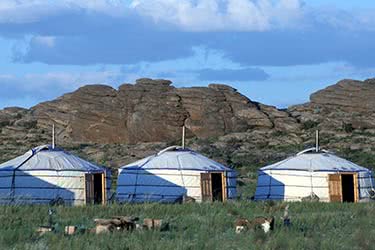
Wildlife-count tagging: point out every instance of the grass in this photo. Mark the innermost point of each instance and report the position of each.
(196, 226)
(204, 226)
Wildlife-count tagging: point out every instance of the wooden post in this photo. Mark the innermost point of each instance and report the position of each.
(356, 191)
(104, 195)
(84, 189)
(224, 186)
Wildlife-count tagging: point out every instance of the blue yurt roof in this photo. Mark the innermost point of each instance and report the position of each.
(48, 158)
(177, 158)
(310, 160)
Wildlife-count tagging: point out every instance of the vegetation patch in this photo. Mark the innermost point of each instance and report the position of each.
(195, 226)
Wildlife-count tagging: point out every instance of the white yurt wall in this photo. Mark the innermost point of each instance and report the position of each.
(169, 175)
(308, 173)
(45, 174)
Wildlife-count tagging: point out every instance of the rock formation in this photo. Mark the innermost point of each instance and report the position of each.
(155, 111)
(117, 126)
(347, 105)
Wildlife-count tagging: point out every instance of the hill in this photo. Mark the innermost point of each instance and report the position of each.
(116, 126)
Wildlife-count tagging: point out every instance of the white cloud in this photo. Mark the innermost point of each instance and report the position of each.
(27, 11)
(23, 11)
(48, 41)
(194, 15)
(212, 15)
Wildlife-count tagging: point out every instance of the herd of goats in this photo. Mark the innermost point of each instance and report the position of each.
(129, 224)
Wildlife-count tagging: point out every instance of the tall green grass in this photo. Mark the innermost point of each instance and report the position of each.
(196, 226)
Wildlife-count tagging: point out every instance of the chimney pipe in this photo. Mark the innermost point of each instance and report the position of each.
(53, 135)
(183, 136)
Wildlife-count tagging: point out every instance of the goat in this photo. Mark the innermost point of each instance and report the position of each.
(241, 225)
(266, 224)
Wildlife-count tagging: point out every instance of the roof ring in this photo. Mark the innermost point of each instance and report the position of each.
(313, 150)
(43, 148)
(171, 148)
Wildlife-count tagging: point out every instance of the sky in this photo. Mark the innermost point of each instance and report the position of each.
(276, 52)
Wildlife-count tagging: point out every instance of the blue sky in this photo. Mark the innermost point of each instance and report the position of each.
(274, 51)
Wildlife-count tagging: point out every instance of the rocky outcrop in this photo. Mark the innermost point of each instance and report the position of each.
(118, 126)
(347, 105)
(348, 95)
(153, 111)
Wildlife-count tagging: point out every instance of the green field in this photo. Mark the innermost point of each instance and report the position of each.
(196, 226)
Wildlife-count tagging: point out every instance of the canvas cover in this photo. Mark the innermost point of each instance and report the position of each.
(306, 173)
(45, 174)
(309, 160)
(169, 175)
(178, 158)
(47, 158)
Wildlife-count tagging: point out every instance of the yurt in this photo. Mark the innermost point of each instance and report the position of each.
(173, 173)
(46, 174)
(316, 174)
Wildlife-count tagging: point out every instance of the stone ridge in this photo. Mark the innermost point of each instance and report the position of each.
(350, 95)
(349, 103)
(153, 111)
(118, 126)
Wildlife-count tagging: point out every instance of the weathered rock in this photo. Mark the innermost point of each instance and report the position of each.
(347, 105)
(348, 95)
(152, 111)
(115, 127)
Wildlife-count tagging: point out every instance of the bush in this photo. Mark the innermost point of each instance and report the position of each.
(347, 127)
(309, 124)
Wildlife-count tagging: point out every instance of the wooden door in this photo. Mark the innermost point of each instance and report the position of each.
(206, 187)
(335, 188)
(89, 188)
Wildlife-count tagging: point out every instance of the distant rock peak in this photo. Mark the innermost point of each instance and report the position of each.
(154, 111)
(148, 81)
(222, 87)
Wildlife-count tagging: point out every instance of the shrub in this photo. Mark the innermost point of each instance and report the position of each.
(309, 124)
(347, 127)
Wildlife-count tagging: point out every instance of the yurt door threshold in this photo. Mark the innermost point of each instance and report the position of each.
(213, 186)
(343, 187)
(95, 188)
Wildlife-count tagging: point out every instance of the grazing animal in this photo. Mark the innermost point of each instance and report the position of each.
(242, 225)
(184, 199)
(266, 224)
(126, 223)
(188, 199)
(311, 198)
(285, 218)
(138, 226)
(118, 223)
(99, 229)
(43, 230)
(155, 224)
